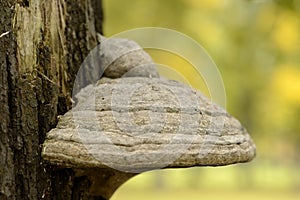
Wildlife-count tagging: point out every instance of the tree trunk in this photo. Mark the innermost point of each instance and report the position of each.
(42, 45)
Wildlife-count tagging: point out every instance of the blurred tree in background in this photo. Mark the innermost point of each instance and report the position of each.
(256, 46)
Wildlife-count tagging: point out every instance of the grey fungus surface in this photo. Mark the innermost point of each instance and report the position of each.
(125, 58)
(114, 58)
(137, 124)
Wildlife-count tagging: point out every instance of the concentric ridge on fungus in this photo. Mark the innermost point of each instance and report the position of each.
(139, 124)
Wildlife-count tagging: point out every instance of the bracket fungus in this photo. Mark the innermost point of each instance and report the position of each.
(125, 58)
(128, 125)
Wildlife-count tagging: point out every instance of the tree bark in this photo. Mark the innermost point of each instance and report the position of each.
(42, 45)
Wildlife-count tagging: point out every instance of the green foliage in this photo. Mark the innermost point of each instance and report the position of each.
(286, 3)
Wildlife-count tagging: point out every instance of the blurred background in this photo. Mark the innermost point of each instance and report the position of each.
(256, 46)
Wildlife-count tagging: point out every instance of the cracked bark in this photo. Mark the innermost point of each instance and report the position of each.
(42, 48)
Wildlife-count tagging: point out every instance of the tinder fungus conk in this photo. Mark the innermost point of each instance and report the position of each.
(137, 124)
(132, 121)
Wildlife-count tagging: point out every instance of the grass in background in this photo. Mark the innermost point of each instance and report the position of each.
(137, 194)
(249, 181)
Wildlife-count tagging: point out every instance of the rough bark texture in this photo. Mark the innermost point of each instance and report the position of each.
(44, 45)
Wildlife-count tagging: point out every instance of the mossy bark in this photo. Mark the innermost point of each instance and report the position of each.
(42, 45)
